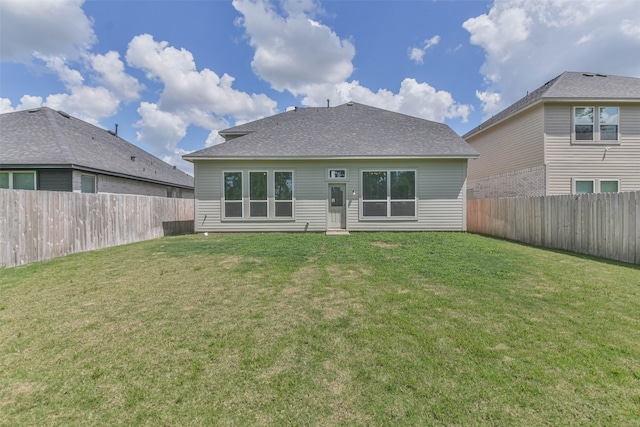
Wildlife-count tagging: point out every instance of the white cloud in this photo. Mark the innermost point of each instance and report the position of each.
(111, 73)
(27, 102)
(295, 51)
(490, 101)
(186, 88)
(188, 97)
(50, 28)
(5, 106)
(87, 103)
(416, 54)
(527, 43)
(58, 65)
(630, 28)
(413, 98)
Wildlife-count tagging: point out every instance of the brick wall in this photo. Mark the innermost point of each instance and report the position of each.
(113, 184)
(521, 183)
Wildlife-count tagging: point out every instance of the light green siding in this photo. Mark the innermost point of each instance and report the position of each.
(440, 189)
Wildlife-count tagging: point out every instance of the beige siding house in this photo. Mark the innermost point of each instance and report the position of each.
(350, 167)
(578, 133)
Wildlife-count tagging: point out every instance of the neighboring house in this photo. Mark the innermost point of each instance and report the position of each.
(44, 149)
(578, 133)
(350, 167)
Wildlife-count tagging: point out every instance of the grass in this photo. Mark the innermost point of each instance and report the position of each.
(305, 329)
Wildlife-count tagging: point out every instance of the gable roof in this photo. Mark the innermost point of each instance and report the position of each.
(45, 138)
(346, 131)
(571, 86)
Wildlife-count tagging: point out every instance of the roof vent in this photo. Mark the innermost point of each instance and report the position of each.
(112, 132)
(588, 74)
(63, 114)
(350, 104)
(133, 158)
(35, 110)
(601, 75)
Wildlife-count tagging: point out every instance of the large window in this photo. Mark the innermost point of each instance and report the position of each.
(283, 193)
(233, 195)
(258, 205)
(388, 194)
(18, 180)
(596, 124)
(269, 194)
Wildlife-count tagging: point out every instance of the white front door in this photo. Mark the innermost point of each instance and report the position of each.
(337, 219)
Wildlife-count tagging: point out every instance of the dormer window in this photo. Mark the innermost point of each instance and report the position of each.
(596, 123)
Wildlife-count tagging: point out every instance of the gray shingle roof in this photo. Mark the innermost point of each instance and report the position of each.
(46, 138)
(571, 86)
(348, 130)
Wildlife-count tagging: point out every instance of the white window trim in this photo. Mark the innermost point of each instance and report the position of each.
(248, 194)
(608, 180)
(388, 200)
(596, 126)
(293, 195)
(223, 207)
(11, 172)
(596, 184)
(328, 177)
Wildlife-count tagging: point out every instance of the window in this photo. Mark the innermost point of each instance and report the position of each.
(337, 174)
(283, 193)
(586, 186)
(269, 194)
(18, 180)
(609, 186)
(87, 183)
(608, 119)
(388, 194)
(233, 194)
(589, 126)
(258, 206)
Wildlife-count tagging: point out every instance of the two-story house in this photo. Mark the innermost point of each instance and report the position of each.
(578, 133)
(44, 149)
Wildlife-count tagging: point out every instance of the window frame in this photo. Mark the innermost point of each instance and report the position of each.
(276, 201)
(246, 197)
(344, 178)
(388, 200)
(95, 183)
(10, 180)
(617, 181)
(235, 201)
(264, 201)
(597, 185)
(596, 124)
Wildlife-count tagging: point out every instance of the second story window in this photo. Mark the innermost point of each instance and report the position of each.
(596, 123)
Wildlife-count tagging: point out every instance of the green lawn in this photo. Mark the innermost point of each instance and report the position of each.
(306, 329)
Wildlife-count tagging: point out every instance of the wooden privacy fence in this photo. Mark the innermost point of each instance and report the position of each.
(40, 225)
(604, 224)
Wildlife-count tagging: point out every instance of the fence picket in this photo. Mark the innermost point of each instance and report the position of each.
(40, 225)
(605, 225)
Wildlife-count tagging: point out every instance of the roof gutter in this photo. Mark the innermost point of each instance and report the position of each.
(4, 166)
(254, 158)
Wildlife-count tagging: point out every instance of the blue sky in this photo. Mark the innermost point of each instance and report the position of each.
(173, 73)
